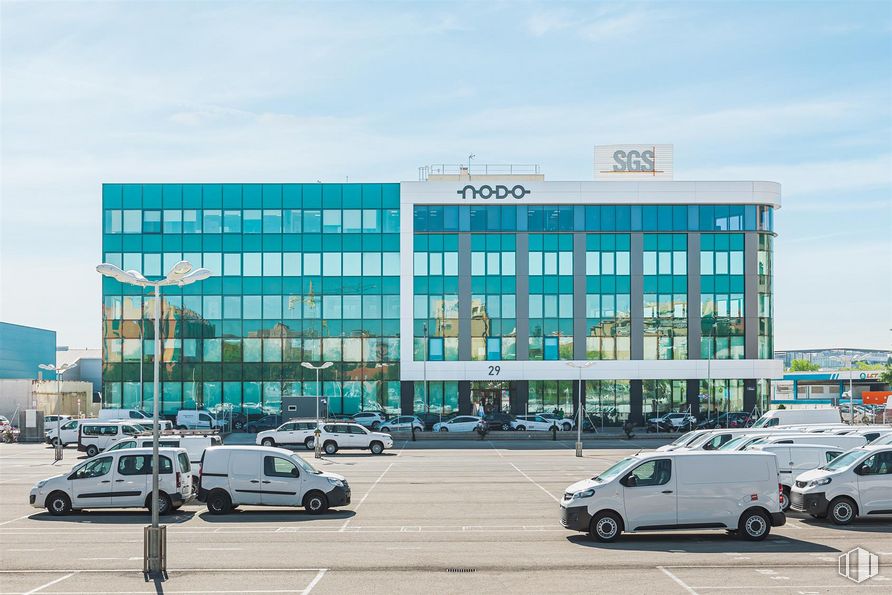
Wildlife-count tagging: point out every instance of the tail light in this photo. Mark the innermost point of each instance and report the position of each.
(780, 493)
(179, 479)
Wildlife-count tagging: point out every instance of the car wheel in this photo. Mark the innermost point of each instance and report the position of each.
(521, 428)
(606, 527)
(310, 443)
(219, 502)
(92, 451)
(444, 429)
(754, 525)
(506, 427)
(239, 425)
(58, 504)
(567, 427)
(54, 442)
(164, 504)
(376, 448)
(785, 500)
(268, 442)
(315, 502)
(842, 511)
(376, 425)
(330, 447)
(385, 429)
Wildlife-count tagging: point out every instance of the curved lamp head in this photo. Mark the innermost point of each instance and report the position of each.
(322, 366)
(196, 275)
(178, 271)
(115, 272)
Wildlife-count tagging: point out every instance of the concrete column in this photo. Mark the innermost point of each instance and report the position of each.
(464, 297)
(579, 320)
(636, 266)
(407, 397)
(749, 394)
(693, 396)
(464, 397)
(751, 296)
(694, 330)
(520, 394)
(522, 305)
(636, 402)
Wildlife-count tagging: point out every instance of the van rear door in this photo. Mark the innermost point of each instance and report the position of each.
(244, 476)
(649, 495)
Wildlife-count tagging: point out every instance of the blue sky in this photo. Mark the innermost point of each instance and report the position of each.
(799, 93)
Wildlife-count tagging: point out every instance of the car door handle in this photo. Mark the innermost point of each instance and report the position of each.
(255, 481)
(265, 481)
(667, 491)
(119, 480)
(105, 481)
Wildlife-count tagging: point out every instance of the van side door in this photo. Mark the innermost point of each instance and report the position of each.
(649, 495)
(280, 484)
(244, 477)
(875, 483)
(131, 479)
(91, 485)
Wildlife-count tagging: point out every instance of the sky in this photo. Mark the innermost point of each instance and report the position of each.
(794, 92)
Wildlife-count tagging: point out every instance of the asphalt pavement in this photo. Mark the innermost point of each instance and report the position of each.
(425, 517)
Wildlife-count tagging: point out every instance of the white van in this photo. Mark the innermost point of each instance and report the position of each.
(123, 415)
(791, 417)
(193, 445)
(715, 439)
(120, 479)
(95, 436)
(793, 459)
(655, 491)
(266, 476)
(857, 483)
(197, 419)
(840, 442)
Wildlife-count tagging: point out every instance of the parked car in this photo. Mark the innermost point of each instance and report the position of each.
(403, 423)
(656, 491)
(839, 442)
(4, 424)
(671, 422)
(369, 419)
(68, 432)
(197, 419)
(94, 437)
(117, 414)
(856, 483)
(431, 419)
(335, 436)
(794, 459)
(498, 420)
(461, 423)
(564, 423)
(268, 422)
(536, 423)
(48, 419)
(792, 417)
(293, 432)
(120, 479)
(266, 476)
(734, 419)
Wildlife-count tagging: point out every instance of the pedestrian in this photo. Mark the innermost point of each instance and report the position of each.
(627, 428)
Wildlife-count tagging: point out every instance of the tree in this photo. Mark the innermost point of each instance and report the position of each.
(886, 375)
(803, 365)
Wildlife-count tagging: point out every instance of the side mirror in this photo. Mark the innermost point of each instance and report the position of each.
(863, 469)
(630, 481)
(295, 472)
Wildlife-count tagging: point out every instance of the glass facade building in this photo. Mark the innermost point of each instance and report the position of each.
(428, 301)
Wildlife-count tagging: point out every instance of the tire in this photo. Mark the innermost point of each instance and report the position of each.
(385, 429)
(754, 525)
(219, 502)
(521, 428)
(444, 429)
(55, 442)
(239, 425)
(330, 447)
(315, 502)
(606, 527)
(92, 451)
(309, 443)
(165, 505)
(842, 511)
(58, 504)
(376, 447)
(785, 503)
(567, 427)
(506, 427)
(268, 442)
(376, 425)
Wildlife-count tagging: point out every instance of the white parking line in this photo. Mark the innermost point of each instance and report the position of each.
(51, 583)
(24, 516)
(366, 495)
(550, 495)
(315, 581)
(678, 581)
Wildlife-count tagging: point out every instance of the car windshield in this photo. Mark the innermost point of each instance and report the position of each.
(733, 444)
(684, 439)
(305, 466)
(122, 445)
(843, 460)
(699, 440)
(615, 470)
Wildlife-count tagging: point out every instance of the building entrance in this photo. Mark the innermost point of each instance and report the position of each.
(492, 397)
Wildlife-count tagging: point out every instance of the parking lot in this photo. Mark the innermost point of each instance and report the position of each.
(433, 516)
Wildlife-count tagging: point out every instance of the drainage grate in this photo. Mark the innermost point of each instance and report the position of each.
(461, 570)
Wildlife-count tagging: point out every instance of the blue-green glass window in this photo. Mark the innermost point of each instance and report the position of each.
(212, 220)
(494, 348)
(132, 221)
(232, 221)
(551, 348)
(291, 221)
(151, 222)
(312, 221)
(272, 221)
(435, 349)
(191, 221)
(113, 221)
(173, 221)
(252, 221)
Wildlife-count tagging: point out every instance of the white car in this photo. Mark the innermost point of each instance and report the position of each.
(191, 419)
(121, 479)
(335, 436)
(856, 483)
(461, 423)
(369, 419)
(677, 421)
(296, 431)
(404, 422)
(564, 423)
(535, 423)
(54, 419)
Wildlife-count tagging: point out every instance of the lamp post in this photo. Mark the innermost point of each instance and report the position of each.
(181, 274)
(580, 366)
(59, 370)
(316, 442)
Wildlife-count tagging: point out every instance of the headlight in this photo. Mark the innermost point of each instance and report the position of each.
(40, 484)
(335, 482)
(584, 494)
(819, 482)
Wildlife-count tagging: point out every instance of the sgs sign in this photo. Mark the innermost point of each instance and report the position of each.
(633, 161)
(497, 192)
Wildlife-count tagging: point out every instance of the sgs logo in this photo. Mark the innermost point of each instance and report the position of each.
(633, 160)
(497, 192)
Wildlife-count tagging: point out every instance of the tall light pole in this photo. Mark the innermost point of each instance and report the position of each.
(59, 370)
(180, 275)
(316, 442)
(580, 366)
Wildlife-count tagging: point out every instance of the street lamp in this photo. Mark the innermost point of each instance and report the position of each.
(322, 366)
(580, 366)
(181, 274)
(59, 370)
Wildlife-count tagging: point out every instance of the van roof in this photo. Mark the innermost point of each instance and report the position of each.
(249, 448)
(147, 450)
(701, 453)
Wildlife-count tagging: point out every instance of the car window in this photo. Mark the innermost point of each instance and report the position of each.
(358, 430)
(878, 464)
(344, 429)
(184, 462)
(70, 425)
(130, 430)
(109, 430)
(141, 465)
(328, 428)
(653, 473)
(124, 444)
(832, 454)
(96, 468)
(135, 415)
(169, 443)
(278, 467)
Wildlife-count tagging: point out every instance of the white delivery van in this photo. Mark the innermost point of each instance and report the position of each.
(194, 445)
(266, 476)
(793, 459)
(121, 479)
(840, 442)
(683, 440)
(656, 491)
(95, 436)
(124, 415)
(792, 417)
(856, 483)
(197, 419)
(296, 431)
(68, 430)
